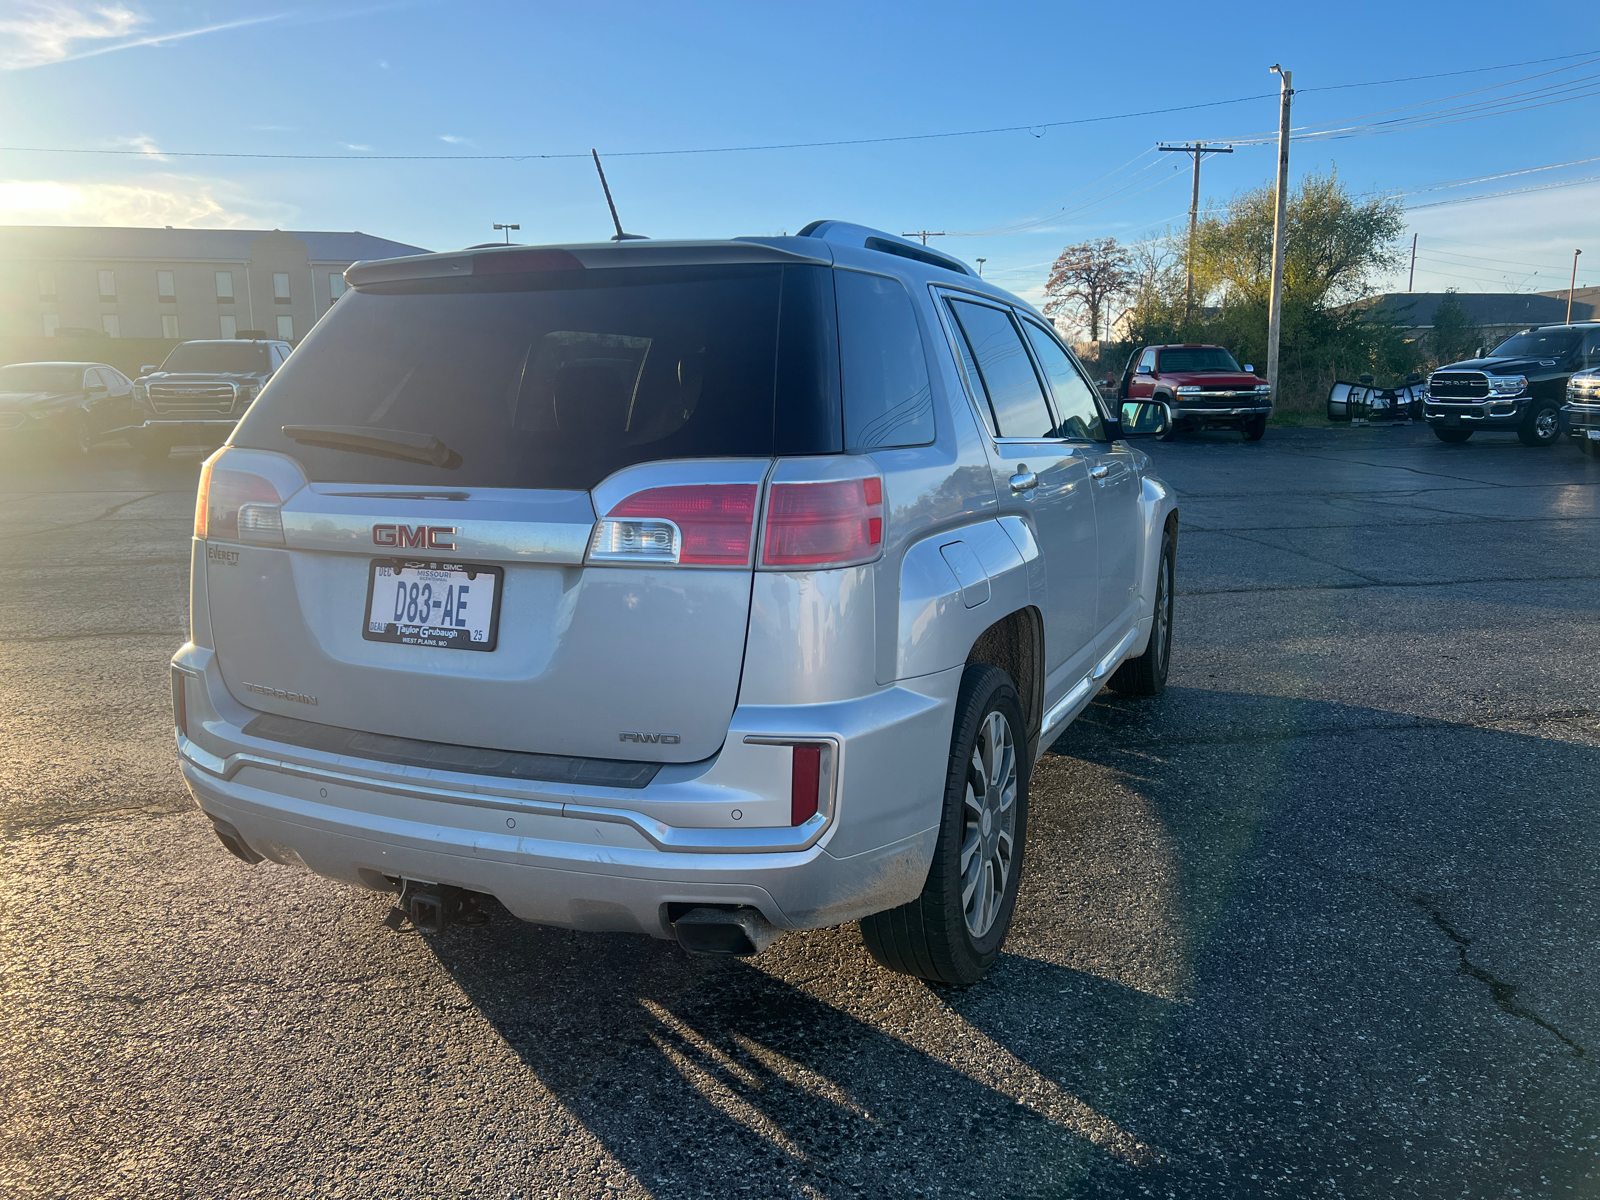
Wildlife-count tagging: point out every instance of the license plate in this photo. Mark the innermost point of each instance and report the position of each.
(1452, 419)
(1592, 434)
(449, 606)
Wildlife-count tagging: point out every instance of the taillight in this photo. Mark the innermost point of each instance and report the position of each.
(237, 506)
(832, 524)
(805, 783)
(706, 524)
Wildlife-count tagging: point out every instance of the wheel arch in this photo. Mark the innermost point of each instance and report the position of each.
(1015, 644)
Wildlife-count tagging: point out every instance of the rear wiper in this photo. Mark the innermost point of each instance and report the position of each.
(385, 443)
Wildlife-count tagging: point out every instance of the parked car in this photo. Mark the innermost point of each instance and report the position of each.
(198, 395)
(1580, 416)
(1518, 387)
(1204, 386)
(66, 405)
(705, 589)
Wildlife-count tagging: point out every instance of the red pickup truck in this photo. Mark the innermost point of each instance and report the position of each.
(1203, 385)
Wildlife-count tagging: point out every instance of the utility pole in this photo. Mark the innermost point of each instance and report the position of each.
(1280, 230)
(1573, 286)
(1411, 281)
(924, 234)
(1199, 150)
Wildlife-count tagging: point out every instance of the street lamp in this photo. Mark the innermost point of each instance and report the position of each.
(508, 229)
(980, 262)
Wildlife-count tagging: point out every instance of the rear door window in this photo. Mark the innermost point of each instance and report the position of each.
(888, 400)
(1007, 372)
(1077, 413)
(556, 379)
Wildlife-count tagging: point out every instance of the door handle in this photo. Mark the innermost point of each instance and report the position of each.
(1024, 482)
(1100, 472)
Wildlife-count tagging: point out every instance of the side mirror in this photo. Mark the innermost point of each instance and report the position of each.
(1249, 369)
(1145, 418)
(1143, 370)
(147, 369)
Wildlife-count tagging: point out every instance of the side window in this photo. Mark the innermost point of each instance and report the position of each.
(1075, 403)
(1147, 364)
(1589, 354)
(888, 400)
(1006, 371)
(969, 367)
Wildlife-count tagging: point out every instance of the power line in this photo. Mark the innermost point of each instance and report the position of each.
(863, 141)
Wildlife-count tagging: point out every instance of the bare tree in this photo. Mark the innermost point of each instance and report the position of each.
(1086, 278)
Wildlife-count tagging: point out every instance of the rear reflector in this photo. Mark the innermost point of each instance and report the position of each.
(831, 524)
(180, 702)
(805, 782)
(237, 506)
(706, 524)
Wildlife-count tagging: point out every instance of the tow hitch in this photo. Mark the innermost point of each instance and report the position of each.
(431, 906)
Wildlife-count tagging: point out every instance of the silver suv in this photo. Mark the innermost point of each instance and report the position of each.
(704, 589)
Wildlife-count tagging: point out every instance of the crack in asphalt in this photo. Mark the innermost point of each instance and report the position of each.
(1503, 994)
(115, 508)
(1303, 554)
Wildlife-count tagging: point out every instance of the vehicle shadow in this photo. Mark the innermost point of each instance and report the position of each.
(1222, 888)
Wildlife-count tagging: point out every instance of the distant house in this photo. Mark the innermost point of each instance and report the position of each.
(1497, 314)
(174, 283)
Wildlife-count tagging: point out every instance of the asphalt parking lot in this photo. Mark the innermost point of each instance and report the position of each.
(1321, 921)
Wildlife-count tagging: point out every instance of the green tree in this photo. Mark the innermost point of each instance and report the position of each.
(1454, 335)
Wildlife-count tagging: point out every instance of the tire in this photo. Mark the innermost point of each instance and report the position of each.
(1542, 426)
(1454, 436)
(939, 936)
(1147, 674)
(155, 448)
(76, 437)
(1254, 428)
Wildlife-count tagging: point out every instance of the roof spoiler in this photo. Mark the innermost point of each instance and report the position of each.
(517, 260)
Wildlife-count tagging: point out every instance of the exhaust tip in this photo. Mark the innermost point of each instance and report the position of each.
(737, 931)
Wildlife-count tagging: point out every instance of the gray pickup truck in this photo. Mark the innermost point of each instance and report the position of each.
(197, 396)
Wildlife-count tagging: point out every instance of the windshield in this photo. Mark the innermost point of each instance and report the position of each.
(558, 379)
(40, 377)
(1538, 343)
(1203, 358)
(217, 357)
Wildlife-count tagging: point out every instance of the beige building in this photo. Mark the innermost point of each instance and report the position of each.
(174, 283)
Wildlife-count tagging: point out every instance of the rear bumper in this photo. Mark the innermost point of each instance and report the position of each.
(603, 858)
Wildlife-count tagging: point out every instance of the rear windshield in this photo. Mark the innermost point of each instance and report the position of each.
(39, 377)
(217, 357)
(1538, 343)
(557, 379)
(1204, 358)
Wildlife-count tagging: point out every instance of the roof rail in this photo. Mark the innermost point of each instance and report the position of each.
(847, 234)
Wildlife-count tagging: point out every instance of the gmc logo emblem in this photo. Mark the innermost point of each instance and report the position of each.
(415, 537)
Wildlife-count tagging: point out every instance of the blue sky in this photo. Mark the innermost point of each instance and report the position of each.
(464, 79)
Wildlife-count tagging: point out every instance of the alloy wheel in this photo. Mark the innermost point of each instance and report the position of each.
(988, 846)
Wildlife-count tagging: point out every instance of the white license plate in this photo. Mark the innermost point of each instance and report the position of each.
(449, 606)
(1593, 434)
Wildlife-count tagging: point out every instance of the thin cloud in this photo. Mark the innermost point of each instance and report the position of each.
(185, 201)
(273, 128)
(45, 36)
(355, 146)
(456, 140)
(145, 145)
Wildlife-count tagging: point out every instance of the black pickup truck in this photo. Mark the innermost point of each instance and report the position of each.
(1518, 387)
(197, 396)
